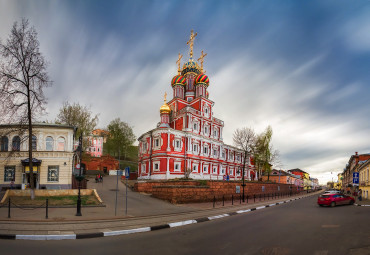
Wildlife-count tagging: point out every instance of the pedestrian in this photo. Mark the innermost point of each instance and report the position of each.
(359, 195)
(101, 178)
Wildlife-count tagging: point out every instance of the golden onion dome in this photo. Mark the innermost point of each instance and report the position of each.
(165, 108)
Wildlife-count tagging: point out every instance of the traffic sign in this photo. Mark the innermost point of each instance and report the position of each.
(356, 179)
(127, 172)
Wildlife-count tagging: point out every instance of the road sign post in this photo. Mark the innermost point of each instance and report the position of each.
(356, 179)
(127, 175)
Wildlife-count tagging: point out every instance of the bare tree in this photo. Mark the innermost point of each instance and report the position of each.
(244, 139)
(23, 77)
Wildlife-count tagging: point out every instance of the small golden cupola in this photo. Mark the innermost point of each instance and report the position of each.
(165, 111)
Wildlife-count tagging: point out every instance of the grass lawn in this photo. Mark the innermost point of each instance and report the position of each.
(53, 201)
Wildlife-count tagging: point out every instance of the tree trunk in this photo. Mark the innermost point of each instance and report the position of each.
(32, 184)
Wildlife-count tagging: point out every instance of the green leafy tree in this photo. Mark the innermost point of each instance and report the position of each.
(23, 77)
(264, 153)
(78, 116)
(121, 137)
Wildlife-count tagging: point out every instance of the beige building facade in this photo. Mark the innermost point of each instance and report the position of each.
(364, 174)
(53, 157)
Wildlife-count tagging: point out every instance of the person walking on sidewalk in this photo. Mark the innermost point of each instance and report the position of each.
(359, 195)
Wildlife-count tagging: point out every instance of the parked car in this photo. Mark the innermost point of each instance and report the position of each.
(334, 199)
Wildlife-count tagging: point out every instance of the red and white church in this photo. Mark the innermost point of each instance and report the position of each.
(188, 139)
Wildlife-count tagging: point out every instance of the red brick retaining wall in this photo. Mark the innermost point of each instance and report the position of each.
(194, 191)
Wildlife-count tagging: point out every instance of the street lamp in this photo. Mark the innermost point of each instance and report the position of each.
(80, 177)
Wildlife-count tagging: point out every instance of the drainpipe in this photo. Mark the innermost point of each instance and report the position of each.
(151, 152)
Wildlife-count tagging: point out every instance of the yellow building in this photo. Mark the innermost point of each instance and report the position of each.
(338, 185)
(364, 173)
(52, 157)
(307, 185)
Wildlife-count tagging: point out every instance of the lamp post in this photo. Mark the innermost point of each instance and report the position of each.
(79, 178)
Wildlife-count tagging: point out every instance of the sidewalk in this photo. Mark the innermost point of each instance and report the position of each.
(85, 227)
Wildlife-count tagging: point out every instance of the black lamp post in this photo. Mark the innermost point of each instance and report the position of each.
(79, 178)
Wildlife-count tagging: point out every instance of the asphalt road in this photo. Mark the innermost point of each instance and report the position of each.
(299, 227)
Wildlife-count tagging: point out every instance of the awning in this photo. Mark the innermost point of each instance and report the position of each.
(35, 162)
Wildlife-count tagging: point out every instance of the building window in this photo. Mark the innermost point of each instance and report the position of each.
(16, 143)
(206, 130)
(53, 173)
(49, 143)
(205, 150)
(178, 144)
(144, 146)
(4, 143)
(195, 147)
(195, 126)
(215, 153)
(156, 166)
(231, 171)
(214, 170)
(177, 166)
(156, 142)
(223, 154)
(61, 144)
(143, 168)
(205, 169)
(9, 173)
(215, 133)
(223, 171)
(195, 168)
(34, 142)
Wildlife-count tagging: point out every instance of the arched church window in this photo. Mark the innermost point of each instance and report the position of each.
(61, 144)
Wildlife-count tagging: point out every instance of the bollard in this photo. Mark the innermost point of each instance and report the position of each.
(232, 199)
(223, 200)
(9, 208)
(214, 201)
(47, 208)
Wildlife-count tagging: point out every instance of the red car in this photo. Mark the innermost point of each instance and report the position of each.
(335, 199)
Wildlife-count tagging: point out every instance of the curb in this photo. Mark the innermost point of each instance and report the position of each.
(360, 205)
(138, 230)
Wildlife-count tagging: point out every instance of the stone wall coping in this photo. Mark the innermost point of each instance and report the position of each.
(180, 186)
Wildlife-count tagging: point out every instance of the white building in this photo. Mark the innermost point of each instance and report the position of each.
(52, 156)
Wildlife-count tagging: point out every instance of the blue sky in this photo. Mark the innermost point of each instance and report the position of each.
(300, 66)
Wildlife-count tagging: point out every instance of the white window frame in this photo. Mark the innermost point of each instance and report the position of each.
(231, 172)
(223, 170)
(205, 169)
(177, 164)
(143, 168)
(156, 163)
(195, 148)
(196, 168)
(214, 170)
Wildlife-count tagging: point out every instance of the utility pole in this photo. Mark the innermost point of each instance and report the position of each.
(79, 179)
